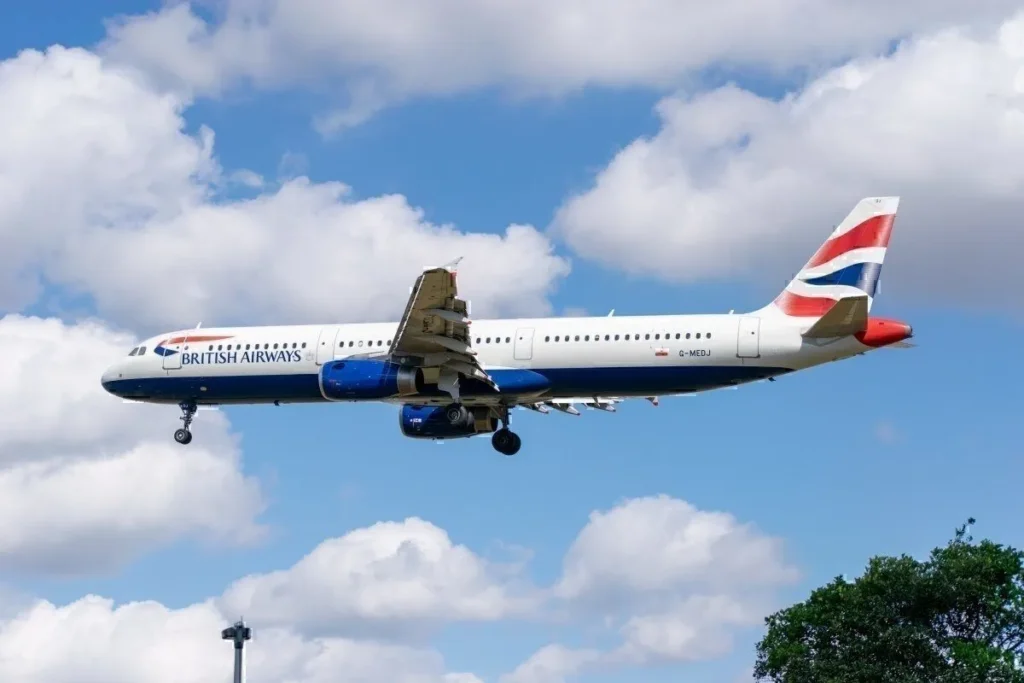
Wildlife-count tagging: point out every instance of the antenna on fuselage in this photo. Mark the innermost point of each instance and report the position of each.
(199, 324)
(611, 313)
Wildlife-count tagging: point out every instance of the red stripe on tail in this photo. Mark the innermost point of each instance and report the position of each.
(803, 306)
(874, 232)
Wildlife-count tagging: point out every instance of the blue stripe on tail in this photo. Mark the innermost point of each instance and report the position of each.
(863, 276)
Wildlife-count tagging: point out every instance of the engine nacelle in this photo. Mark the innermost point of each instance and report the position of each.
(430, 422)
(362, 378)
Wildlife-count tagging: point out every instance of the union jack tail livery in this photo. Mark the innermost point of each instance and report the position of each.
(847, 265)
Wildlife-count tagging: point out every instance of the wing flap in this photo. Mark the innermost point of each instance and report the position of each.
(434, 330)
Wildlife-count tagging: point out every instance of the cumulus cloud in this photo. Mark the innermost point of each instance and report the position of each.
(646, 547)
(97, 167)
(674, 581)
(734, 183)
(358, 607)
(94, 640)
(391, 578)
(394, 49)
(87, 482)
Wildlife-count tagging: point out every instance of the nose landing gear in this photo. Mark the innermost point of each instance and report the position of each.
(188, 413)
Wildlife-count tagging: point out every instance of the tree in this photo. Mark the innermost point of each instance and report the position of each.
(956, 618)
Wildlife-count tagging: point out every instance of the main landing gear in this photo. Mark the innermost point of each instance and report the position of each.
(188, 413)
(504, 440)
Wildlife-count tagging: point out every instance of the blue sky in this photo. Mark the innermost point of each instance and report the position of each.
(886, 453)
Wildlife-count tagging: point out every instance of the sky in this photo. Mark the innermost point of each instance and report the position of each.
(263, 162)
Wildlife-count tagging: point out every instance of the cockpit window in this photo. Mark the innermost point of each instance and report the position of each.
(142, 351)
(133, 351)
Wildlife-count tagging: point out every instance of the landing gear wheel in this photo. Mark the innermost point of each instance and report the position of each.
(188, 413)
(456, 414)
(506, 442)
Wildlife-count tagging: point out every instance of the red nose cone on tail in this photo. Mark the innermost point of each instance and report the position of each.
(884, 331)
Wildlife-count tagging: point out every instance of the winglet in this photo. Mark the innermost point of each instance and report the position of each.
(847, 316)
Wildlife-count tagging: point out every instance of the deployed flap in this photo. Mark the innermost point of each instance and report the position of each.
(848, 316)
(434, 330)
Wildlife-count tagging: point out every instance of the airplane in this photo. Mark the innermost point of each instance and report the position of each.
(453, 377)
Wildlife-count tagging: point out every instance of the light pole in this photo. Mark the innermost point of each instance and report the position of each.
(239, 633)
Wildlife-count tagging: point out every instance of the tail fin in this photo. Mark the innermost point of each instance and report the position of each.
(847, 264)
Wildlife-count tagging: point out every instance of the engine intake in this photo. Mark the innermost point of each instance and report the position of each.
(368, 379)
(430, 422)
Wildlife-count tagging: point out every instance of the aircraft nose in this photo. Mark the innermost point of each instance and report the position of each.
(110, 377)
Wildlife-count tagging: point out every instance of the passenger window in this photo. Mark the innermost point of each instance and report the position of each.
(508, 340)
(677, 335)
(247, 347)
(587, 338)
(478, 340)
(389, 342)
(577, 337)
(557, 337)
(616, 337)
(708, 335)
(303, 345)
(488, 340)
(351, 343)
(698, 335)
(547, 339)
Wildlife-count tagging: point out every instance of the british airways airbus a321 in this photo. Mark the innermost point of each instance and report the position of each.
(455, 379)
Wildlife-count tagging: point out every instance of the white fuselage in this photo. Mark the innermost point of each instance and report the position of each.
(625, 356)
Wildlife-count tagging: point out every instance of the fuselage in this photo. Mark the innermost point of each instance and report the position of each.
(622, 356)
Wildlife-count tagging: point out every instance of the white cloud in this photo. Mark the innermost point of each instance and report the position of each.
(675, 581)
(734, 183)
(349, 610)
(94, 640)
(393, 49)
(646, 548)
(390, 578)
(553, 664)
(97, 168)
(87, 482)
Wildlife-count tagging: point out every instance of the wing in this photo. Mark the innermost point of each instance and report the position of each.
(434, 331)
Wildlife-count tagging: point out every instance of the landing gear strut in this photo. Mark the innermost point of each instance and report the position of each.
(188, 413)
(505, 441)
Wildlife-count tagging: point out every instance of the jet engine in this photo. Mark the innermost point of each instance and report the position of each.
(430, 422)
(363, 378)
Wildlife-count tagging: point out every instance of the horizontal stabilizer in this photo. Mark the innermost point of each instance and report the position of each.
(848, 316)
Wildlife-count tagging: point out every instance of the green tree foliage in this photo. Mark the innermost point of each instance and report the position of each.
(956, 618)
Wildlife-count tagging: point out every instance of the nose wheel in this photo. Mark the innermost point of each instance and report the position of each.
(188, 413)
(505, 441)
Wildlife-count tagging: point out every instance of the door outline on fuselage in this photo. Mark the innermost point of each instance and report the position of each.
(523, 349)
(325, 344)
(172, 361)
(748, 337)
